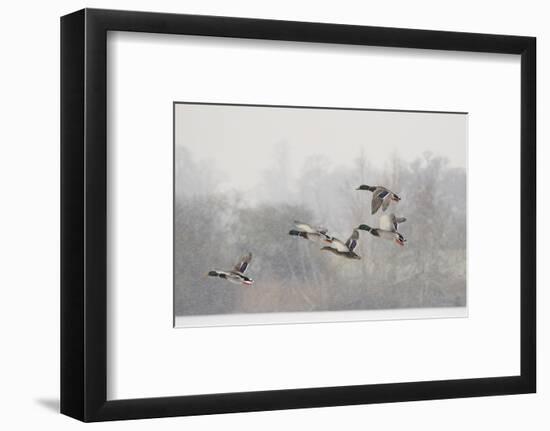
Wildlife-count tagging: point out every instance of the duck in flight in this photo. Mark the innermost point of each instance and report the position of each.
(306, 231)
(381, 197)
(388, 229)
(236, 275)
(346, 249)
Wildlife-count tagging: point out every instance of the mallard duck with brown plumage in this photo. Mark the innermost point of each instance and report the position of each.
(235, 275)
(388, 229)
(315, 234)
(381, 197)
(344, 249)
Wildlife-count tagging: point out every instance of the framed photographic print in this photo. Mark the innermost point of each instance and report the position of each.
(235, 203)
(331, 209)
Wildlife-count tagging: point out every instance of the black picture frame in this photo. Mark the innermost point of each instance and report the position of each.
(84, 214)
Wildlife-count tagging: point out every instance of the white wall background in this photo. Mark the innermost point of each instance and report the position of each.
(29, 233)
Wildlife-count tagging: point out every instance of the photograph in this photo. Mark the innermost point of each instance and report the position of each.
(290, 214)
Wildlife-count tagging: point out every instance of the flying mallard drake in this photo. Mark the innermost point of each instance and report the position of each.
(346, 249)
(306, 231)
(389, 234)
(381, 197)
(236, 275)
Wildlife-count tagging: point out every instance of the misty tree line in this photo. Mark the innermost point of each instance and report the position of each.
(212, 229)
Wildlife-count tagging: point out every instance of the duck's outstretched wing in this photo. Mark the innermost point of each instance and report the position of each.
(305, 227)
(379, 198)
(339, 245)
(351, 243)
(398, 221)
(391, 222)
(387, 200)
(243, 263)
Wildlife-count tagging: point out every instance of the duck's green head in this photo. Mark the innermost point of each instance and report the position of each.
(363, 187)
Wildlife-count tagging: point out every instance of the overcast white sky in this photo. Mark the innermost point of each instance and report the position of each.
(241, 141)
